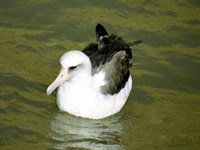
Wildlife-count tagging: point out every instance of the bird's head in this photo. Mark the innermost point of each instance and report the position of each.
(74, 66)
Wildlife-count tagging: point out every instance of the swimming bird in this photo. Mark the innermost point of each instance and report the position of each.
(95, 83)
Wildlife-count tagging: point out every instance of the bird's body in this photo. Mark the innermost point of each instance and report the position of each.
(98, 78)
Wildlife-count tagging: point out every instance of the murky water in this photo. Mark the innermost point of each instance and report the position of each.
(163, 110)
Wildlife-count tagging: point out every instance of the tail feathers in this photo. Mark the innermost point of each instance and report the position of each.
(131, 44)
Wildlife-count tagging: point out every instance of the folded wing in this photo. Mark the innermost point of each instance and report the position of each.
(111, 60)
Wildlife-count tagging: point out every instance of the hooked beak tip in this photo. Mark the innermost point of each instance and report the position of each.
(63, 76)
(48, 91)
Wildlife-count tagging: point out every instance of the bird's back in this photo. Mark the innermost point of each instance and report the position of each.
(113, 56)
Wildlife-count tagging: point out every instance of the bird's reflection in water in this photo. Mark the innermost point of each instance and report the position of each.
(75, 132)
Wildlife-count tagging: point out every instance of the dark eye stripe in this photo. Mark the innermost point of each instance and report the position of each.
(73, 67)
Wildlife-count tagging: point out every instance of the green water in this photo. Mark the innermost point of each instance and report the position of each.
(163, 110)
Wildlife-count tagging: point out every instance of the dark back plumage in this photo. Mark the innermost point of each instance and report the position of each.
(112, 55)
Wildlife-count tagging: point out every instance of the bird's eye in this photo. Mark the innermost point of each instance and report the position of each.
(72, 68)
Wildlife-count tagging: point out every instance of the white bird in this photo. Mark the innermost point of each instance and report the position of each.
(96, 82)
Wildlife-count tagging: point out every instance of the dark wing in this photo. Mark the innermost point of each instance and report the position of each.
(113, 56)
(100, 34)
(116, 72)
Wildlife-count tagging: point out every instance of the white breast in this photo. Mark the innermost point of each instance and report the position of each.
(81, 99)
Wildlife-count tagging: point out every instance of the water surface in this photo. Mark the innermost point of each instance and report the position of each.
(163, 109)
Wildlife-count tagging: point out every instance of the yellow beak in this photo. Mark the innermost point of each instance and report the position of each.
(62, 77)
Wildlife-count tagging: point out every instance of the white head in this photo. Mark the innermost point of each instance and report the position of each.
(75, 66)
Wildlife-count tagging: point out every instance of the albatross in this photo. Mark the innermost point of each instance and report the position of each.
(96, 82)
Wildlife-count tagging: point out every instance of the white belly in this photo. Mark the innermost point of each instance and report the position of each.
(84, 101)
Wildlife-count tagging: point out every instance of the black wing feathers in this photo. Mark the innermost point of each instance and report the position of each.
(112, 55)
(101, 33)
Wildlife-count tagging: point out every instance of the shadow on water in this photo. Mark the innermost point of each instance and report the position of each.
(75, 132)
